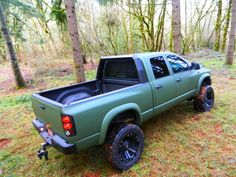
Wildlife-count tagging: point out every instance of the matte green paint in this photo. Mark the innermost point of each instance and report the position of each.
(92, 116)
(113, 113)
(49, 115)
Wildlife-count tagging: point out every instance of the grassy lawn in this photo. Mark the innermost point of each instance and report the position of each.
(179, 142)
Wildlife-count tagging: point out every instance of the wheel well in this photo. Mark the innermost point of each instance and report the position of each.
(206, 81)
(129, 116)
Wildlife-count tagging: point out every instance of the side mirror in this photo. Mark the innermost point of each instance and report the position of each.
(195, 65)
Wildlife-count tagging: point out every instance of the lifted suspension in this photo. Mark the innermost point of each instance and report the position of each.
(42, 152)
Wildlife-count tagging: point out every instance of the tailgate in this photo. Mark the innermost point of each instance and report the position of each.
(48, 113)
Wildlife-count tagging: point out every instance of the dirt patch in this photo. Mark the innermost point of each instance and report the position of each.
(218, 129)
(59, 69)
(4, 142)
(206, 53)
(200, 133)
(7, 82)
(64, 71)
(90, 66)
(196, 117)
(92, 174)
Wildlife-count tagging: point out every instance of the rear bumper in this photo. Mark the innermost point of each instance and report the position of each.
(55, 141)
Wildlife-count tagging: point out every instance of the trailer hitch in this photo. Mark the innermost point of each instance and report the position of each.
(42, 152)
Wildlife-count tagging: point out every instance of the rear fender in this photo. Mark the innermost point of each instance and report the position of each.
(113, 113)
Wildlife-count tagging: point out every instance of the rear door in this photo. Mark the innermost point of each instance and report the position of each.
(163, 84)
(184, 77)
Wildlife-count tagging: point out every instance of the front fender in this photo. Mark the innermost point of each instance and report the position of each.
(112, 114)
(201, 80)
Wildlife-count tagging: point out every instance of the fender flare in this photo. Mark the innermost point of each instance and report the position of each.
(112, 114)
(201, 80)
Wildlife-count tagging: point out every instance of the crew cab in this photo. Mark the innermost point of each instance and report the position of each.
(128, 90)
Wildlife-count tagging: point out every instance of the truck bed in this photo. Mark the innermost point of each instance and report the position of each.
(70, 94)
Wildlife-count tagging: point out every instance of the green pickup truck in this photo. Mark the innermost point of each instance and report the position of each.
(109, 110)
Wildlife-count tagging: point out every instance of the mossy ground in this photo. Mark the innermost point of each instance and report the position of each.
(179, 142)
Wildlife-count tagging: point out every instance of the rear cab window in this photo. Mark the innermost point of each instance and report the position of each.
(159, 67)
(122, 69)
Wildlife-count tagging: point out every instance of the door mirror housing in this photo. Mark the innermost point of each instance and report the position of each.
(195, 66)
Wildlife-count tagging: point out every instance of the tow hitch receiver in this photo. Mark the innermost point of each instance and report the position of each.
(42, 152)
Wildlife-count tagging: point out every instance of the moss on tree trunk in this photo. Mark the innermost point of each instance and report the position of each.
(218, 26)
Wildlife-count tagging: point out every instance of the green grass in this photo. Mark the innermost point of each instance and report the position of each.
(218, 64)
(220, 67)
(179, 142)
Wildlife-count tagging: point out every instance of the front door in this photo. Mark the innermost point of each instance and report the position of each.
(184, 77)
(163, 84)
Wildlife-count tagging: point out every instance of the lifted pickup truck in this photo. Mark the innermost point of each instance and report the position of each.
(127, 91)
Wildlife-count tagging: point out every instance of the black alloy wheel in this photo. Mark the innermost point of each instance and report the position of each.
(205, 99)
(124, 145)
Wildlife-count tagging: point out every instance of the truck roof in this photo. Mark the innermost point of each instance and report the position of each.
(140, 55)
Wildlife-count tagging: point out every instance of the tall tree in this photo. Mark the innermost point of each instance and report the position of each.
(160, 26)
(151, 29)
(74, 35)
(218, 25)
(14, 62)
(176, 26)
(231, 40)
(226, 26)
(43, 22)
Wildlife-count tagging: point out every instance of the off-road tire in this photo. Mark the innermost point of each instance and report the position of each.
(204, 101)
(121, 139)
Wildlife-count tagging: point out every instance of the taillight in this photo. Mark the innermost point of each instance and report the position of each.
(68, 125)
(65, 119)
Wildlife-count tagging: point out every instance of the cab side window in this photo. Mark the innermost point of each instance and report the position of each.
(159, 67)
(177, 64)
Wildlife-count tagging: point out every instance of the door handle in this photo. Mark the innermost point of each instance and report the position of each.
(158, 86)
(178, 80)
(42, 107)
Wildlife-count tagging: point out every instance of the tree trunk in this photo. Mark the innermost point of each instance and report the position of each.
(131, 26)
(176, 26)
(126, 35)
(231, 41)
(218, 26)
(14, 62)
(226, 27)
(74, 35)
(171, 38)
(160, 27)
